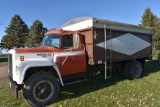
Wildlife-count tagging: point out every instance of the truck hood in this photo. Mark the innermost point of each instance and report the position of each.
(35, 50)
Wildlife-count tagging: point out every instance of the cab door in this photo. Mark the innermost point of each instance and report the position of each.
(72, 56)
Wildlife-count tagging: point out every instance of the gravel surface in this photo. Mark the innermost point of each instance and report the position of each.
(3, 71)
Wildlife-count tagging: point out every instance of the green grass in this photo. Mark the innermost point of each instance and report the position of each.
(114, 92)
(3, 61)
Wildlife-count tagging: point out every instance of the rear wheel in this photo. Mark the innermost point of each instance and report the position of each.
(136, 70)
(41, 89)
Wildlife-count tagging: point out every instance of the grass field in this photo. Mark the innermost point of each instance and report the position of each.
(3, 61)
(114, 92)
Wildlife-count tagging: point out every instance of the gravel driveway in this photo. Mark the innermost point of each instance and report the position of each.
(3, 71)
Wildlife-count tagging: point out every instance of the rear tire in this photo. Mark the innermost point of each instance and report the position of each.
(41, 89)
(136, 70)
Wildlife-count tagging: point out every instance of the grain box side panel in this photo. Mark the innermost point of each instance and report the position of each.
(125, 45)
(145, 52)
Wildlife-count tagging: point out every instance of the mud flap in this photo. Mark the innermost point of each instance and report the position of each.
(14, 88)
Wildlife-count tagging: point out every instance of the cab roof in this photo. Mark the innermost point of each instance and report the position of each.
(54, 31)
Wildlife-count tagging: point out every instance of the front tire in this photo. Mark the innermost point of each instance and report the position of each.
(41, 89)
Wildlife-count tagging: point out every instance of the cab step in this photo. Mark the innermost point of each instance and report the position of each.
(73, 81)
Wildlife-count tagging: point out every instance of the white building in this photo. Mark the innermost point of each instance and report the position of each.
(3, 51)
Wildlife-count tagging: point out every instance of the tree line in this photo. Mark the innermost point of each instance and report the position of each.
(149, 19)
(19, 35)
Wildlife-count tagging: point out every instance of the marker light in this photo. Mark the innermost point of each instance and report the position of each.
(22, 58)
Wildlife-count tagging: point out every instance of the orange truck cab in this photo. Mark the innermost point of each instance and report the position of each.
(68, 50)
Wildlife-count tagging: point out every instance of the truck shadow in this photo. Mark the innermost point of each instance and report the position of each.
(151, 67)
(98, 82)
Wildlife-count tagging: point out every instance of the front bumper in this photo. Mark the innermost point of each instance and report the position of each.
(14, 87)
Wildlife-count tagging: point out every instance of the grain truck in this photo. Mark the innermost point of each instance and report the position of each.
(71, 54)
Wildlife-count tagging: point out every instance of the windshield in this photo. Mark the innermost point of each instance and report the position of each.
(51, 40)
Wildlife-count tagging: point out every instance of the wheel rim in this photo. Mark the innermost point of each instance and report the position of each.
(43, 90)
(138, 71)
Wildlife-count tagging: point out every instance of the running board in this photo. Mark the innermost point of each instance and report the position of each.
(75, 81)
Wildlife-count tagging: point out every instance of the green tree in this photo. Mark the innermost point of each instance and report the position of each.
(148, 18)
(157, 36)
(151, 20)
(8, 40)
(36, 34)
(1, 45)
(16, 33)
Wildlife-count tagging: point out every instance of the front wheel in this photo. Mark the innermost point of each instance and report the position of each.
(41, 89)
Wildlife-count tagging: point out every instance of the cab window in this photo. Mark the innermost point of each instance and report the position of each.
(71, 41)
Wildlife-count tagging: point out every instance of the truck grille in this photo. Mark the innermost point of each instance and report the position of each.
(10, 69)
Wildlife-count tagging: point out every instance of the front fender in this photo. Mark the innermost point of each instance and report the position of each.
(24, 66)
